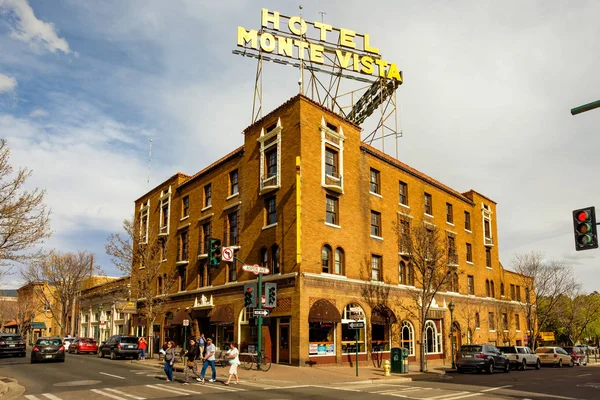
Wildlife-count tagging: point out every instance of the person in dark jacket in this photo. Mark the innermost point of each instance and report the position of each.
(193, 354)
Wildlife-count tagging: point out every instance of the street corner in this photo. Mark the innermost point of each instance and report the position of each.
(10, 388)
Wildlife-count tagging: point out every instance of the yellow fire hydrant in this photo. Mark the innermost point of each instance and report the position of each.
(386, 368)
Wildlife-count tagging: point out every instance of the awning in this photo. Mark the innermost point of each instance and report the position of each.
(324, 311)
(382, 315)
(38, 325)
(222, 315)
(179, 317)
(13, 323)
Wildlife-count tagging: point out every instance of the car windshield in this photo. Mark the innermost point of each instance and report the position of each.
(544, 350)
(470, 349)
(507, 349)
(48, 342)
(129, 339)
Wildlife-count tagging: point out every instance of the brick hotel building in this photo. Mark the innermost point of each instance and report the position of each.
(305, 197)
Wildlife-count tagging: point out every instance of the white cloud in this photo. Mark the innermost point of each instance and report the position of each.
(27, 28)
(39, 113)
(7, 83)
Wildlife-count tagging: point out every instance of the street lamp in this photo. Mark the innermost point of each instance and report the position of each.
(451, 308)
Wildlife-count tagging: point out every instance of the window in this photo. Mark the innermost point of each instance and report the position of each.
(182, 279)
(331, 162)
(270, 143)
(404, 241)
(163, 248)
(374, 181)
(232, 272)
(233, 226)
(326, 259)
(271, 166)
(233, 182)
(449, 214)
(183, 246)
(433, 338)
(504, 321)
(453, 282)
(353, 312)
(159, 286)
(206, 232)
(488, 258)
(428, 204)
(512, 292)
(375, 223)
(264, 255)
(477, 323)
(332, 153)
(487, 288)
(403, 193)
(467, 221)
(339, 262)
(407, 337)
(402, 278)
(502, 289)
(518, 291)
(275, 263)
(208, 195)
(165, 202)
(185, 207)
(144, 208)
(487, 229)
(492, 291)
(270, 210)
(517, 322)
(331, 213)
(452, 256)
(376, 268)
(491, 321)
(470, 284)
(469, 253)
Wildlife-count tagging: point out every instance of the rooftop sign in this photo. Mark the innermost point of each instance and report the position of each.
(317, 42)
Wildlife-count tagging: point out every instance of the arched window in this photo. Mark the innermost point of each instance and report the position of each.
(502, 289)
(326, 259)
(264, 255)
(353, 312)
(339, 261)
(433, 338)
(402, 278)
(487, 288)
(492, 291)
(411, 274)
(407, 337)
(275, 266)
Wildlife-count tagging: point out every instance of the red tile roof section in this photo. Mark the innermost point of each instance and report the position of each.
(221, 160)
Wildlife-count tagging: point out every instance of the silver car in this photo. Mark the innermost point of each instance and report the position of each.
(555, 356)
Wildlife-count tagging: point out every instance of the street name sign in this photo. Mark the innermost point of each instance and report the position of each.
(262, 313)
(255, 269)
(356, 325)
(227, 254)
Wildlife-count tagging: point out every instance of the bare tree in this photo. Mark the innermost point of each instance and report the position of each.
(7, 312)
(469, 314)
(24, 311)
(544, 283)
(65, 274)
(139, 253)
(432, 263)
(24, 218)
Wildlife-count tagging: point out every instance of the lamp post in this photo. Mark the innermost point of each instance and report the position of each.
(451, 308)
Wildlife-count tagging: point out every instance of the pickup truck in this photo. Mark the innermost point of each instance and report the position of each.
(520, 357)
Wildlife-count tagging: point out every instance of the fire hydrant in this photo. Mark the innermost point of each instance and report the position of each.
(386, 368)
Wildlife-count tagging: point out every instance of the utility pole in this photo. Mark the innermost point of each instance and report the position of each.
(585, 107)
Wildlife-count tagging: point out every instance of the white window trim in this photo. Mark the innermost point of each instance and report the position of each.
(325, 130)
(376, 237)
(269, 226)
(451, 232)
(209, 216)
(405, 215)
(184, 218)
(206, 208)
(469, 262)
(468, 231)
(145, 213)
(412, 336)
(333, 225)
(450, 223)
(438, 336)
(264, 137)
(165, 198)
(428, 215)
(404, 205)
(232, 196)
(376, 194)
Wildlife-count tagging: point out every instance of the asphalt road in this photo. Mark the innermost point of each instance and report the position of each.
(90, 378)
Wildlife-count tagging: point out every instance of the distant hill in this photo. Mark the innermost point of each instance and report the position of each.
(9, 292)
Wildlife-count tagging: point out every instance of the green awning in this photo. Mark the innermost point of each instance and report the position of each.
(38, 325)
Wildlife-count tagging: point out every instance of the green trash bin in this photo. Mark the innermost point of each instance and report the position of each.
(396, 360)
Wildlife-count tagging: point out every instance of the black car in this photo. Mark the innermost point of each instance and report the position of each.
(481, 357)
(120, 346)
(12, 345)
(48, 349)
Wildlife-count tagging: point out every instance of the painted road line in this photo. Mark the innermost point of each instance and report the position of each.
(114, 376)
(496, 388)
(290, 387)
(578, 376)
(111, 396)
(260, 385)
(463, 396)
(30, 397)
(168, 390)
(221, 387)
(453, 395)
(50, 396)
(345, 389)
(182, 390)
(124, 394)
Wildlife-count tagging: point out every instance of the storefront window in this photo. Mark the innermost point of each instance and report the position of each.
(380, 337)
(248, 335)
(433, 338)
(321, 337)
(407, 337)
(353, 312)
(224, 337)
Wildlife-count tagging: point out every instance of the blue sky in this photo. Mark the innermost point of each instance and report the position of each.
(85, 85)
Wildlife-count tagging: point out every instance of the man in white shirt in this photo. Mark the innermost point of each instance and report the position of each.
(209, 358)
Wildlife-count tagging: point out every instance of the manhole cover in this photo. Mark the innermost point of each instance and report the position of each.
(77, 383)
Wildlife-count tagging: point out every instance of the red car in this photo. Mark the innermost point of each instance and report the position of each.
(83, 345)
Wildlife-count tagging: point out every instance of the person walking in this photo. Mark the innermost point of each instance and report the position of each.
(142, 345)
(233, 354)
(193, 354)
(202, 343)
(209, 359)
(169, 360)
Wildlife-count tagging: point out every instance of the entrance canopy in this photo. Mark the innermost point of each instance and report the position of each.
(179, 317)
(222, 315)
(382, 315)
(324, 311)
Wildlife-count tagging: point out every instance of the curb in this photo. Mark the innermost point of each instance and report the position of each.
(375, 380)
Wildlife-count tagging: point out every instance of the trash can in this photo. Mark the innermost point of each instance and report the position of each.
(404, 360)
(396, 356)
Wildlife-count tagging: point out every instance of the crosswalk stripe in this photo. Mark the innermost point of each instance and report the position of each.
(167, 390)
(125, 394)
(261, 385)
(179, 389)
(114, 376)
(447, 395)
(225, 388)
(50, 396)
(112, 396)
(30, 397)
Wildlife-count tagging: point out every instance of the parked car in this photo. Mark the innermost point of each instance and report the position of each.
(83, 345)
(12, 345)
(577, 354)
(555, 356)
(48, 349)
(481, 357)
(119, 346)
(520, 357)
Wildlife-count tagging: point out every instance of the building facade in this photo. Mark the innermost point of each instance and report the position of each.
(324, 212)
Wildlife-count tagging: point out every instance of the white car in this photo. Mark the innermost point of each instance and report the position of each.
(555, 356)
(521, 357)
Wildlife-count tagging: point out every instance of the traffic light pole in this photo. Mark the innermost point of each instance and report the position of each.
(585, 107)
(259, 322)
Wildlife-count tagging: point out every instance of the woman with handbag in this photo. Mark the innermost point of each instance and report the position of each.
(193, 354)
(233, 355)
(169, 360)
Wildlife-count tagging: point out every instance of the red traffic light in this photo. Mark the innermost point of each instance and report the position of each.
(582, 216)
(249, 290)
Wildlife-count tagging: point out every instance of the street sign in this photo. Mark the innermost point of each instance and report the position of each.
(227, 254)
(186, 322)
(262, 313)
(255, 269)
(356, 325)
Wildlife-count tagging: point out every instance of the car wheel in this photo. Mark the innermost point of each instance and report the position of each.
(524, 365)
(100, 354)
(538, 364)
(506, 367)
(490, 367)
(113, 356)
(560, 363)
(572, 364)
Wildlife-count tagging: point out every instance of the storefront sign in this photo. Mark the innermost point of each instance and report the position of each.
(322, 349)
(313, 349)
(127, 307)
(317, 42)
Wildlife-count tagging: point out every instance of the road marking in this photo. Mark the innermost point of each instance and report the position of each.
(30, 397)
(287, 387)
(448, 395)
(112, 396)
(496, 388)
(125, 394)
(261, 385)
(224, 387)
(463, 397)
(50, 396)
(114, 376)
(583, 375)
(168, 390)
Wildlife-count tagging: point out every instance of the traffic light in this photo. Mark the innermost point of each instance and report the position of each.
(270, 295)
(250, 295)
(584, 224)
(214, 258)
